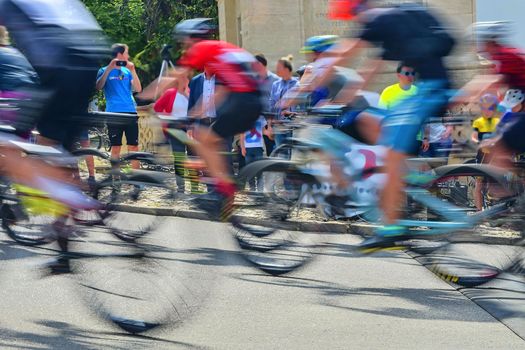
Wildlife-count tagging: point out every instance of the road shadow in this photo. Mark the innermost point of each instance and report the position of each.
(345, 250)
(11, 250)
(210, 257)
(61, 335)
(426, 304)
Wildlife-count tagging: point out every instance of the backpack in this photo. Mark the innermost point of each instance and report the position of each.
(428, 39)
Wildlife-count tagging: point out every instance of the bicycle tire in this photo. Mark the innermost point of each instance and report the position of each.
(26, 228)
(143, 284)
(282, 151)
(471, 260)
(96, 141)
(455, 185)
(117, 194)
(272, 242)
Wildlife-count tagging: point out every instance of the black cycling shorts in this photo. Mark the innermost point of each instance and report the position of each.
(62, 113)
(514, 137)
(130, 129)
(237, 114)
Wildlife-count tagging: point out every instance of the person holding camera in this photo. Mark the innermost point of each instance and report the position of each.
(119, 80)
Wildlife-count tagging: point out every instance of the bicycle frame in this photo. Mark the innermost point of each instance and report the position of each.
(454, 216)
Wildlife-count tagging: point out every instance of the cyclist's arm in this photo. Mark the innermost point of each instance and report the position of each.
(350, 91)
(338, 56)
(475, 88)
(160, 85)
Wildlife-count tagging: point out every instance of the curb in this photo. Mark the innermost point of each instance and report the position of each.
(358, 228)
(325, 227)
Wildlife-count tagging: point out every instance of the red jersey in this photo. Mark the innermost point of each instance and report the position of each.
(511, 63)
(232, 65)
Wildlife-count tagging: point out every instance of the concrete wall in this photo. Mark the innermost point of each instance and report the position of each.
(279, 27)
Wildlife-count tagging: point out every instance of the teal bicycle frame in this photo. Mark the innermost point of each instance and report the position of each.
(336, 144)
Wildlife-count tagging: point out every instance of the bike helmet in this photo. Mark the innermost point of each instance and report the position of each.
(488, 99)
(513, 97)
(319, 44)
(491, 31)
(202, 28)
(345, 10)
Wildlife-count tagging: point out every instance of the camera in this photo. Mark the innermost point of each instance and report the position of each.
(121, 63)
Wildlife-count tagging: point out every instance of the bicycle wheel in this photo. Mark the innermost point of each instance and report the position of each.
(143, 285)
(472, 259)
(95, 140)
(121, 195)
(456, 185)
(471, 188)
(284, 151)
(31, 221)
(101, 161)
(268, 234)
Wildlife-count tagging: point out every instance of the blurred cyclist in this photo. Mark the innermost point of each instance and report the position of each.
(237, 96)
(491, 39)
(314, 48)
(410, 34)
(513, 105)
(508, 72)
(64, 44)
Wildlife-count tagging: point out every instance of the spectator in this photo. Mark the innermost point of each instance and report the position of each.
(201, 101)
(174, 101)
(484, 127)
(279, 89)
(267, 79)
(252, 149)
(119, 80)
(437, 140)
(394, 94)
(202, 104)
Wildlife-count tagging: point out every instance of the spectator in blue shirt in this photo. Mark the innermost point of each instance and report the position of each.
(279, 89)
(119, 80)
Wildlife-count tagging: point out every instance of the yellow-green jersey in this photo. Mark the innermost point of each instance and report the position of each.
(394, 94)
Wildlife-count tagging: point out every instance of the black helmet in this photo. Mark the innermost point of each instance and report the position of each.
(202, 28)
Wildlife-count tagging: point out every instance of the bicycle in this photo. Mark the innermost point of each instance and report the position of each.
(107, 271)
(450, 218)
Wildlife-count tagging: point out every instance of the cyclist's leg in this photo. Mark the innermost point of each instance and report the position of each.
(400, 129)
(236, 115)
(511, 142)
(208, 147)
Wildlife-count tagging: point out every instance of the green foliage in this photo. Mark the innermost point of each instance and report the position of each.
(145, 25)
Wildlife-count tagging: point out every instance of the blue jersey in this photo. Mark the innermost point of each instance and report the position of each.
(118, 90)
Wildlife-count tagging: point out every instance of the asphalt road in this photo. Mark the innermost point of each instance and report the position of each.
(216, 301)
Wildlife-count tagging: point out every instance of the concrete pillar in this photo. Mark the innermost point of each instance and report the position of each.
(228, 21)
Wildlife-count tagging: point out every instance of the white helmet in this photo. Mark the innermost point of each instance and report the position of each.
(513, 97)
(485, 31)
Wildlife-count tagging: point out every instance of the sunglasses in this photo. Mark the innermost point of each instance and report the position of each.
(490, 108)
(408, 74)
